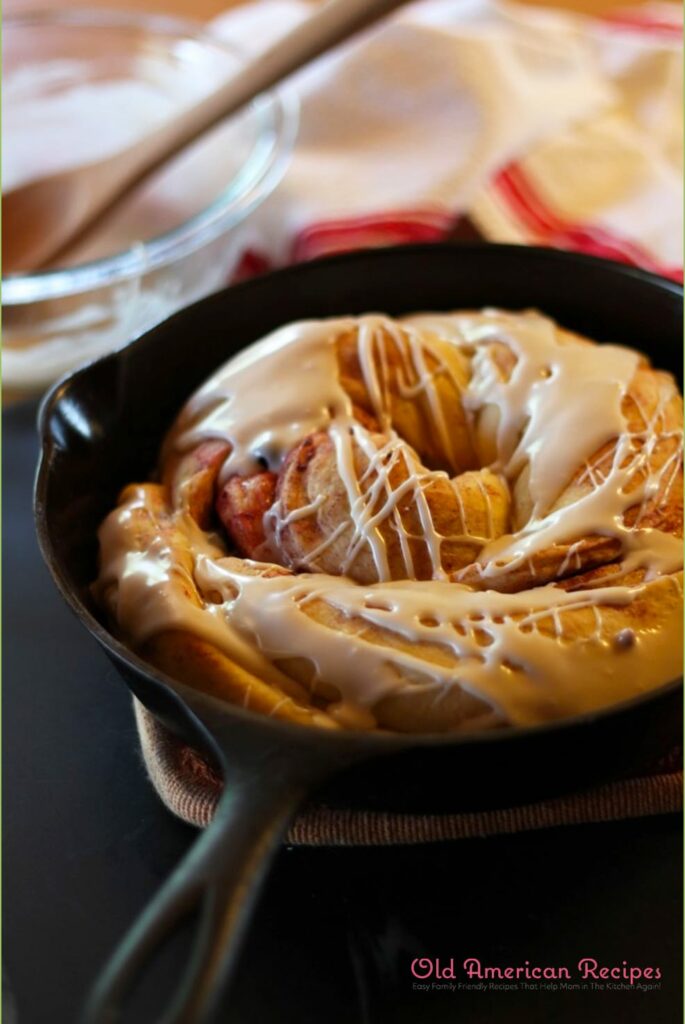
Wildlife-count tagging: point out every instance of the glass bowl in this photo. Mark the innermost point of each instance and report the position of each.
(80, 84)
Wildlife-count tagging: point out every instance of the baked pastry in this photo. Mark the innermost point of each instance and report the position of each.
(445, 522)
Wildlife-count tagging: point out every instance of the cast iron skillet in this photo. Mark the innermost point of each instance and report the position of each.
(102, 428)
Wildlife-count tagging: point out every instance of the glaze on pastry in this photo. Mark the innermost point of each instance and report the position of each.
(445, 522)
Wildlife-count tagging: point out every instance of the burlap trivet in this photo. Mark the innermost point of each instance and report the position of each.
(190, 789)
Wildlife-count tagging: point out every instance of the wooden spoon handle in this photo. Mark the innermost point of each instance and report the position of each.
(329, 25)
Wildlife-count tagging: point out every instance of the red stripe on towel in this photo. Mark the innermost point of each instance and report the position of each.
(390, 228)
(515, 188)
(647, 23)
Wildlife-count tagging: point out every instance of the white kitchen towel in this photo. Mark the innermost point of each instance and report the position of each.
(544, 127)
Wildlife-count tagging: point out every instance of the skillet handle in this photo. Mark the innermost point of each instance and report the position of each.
(222, 875)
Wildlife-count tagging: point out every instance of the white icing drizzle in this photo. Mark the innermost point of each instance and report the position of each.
(559, 405)
(262, 415)
(372, 499)
(526, 676)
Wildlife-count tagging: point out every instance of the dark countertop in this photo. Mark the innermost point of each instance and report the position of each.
(87, 843)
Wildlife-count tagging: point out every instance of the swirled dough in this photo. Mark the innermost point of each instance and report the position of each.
(450, 521)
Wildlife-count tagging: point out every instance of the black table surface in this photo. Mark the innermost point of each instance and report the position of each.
(87, 843)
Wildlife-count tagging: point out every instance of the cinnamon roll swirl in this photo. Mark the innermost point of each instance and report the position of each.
(445, 522)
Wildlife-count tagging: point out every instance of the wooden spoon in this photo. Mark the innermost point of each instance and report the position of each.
(41, 218)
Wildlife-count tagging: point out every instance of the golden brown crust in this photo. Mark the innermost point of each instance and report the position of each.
(200, 664)
(190, 479)
(466, 512)
(410, 413)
